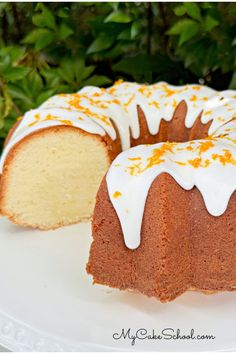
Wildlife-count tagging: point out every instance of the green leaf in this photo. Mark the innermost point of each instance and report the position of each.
(44, 40)
(51, 76)
(65, 71)
(114, 5)
(63, 12)
(35, 82)
(32, 36)
(118, 17)
(13, 54)
(135, 29)
(140, 67)
(43, 96)
(65, 31)
(102, 42)
(77, 68)
(207, 5)
(185, 28)
(6, 105)
(179, 26)
(188, 33)
(15, 73)
(180, 10)
(8, 123)
(210, 23)
(2, 106)
(97, 80)
(5, 63)
(44, 19)
(125, 35)
(86, 72)
(232, 85)
(38, 20)
(193, 10)
(16, 92)
(41, 37)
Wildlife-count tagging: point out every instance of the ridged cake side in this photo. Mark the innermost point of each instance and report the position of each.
(182, 246)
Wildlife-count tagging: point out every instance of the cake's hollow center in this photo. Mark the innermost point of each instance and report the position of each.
(174, 131)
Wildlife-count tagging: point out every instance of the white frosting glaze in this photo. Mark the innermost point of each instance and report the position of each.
(93, 109)
(208, 164)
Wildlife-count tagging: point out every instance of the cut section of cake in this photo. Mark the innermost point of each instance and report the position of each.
(47, 180)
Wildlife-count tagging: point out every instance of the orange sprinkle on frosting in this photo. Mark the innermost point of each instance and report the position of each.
(145, 90)
(117, 194)
(134, 158)
(65, 121)
(74, 101)
(225, 158)
(129, 101)
(205, 145)
(180, 163)
(199, 162)
(174, 104)
(196, 162)
(154, 103)
(207, 113)
(169, 92)
(37, 119)
(197, 88)
(193, 98)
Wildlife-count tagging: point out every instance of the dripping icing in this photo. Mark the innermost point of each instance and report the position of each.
(93, 110)
(209, 164)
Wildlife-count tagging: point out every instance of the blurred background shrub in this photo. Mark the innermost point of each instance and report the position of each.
(47, 48)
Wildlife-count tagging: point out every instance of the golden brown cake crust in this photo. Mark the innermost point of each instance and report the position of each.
(182, 247)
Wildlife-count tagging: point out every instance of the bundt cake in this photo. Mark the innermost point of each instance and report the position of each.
(56, 155)
(165, 214)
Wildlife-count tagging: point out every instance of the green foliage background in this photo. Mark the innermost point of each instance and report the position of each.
(47, 48)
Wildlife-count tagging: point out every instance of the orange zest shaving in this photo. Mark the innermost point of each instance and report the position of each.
(193, 98)
(117, 194)
(180, 163)
(225, 158)
(207, 113)
(65, 121)
(174, 104)
(145, 90)
(134, 158)
(135, 169)
(37, 119)
(74, 101)
(169, 92)
(196, 162)
(129, 101)
(205, 145)
(197, 88)
(154, 103)
(199, 162)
